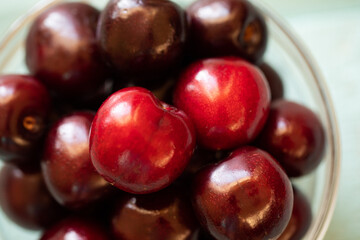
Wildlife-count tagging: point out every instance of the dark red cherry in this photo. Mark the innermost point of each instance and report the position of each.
(294, 135)
(165, 215)
(61, 50)
(24, 110)
(226, 98)
(142, 38)
(274, 80)
(76, 229)
(66, 164)
(300, 220)
(226, 27)
(246, 196)
(138, 143)
(25, 199)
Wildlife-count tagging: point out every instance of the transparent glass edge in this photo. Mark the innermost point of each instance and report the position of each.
(332, 186)
(22, 20)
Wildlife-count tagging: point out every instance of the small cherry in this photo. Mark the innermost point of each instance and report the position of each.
(142, 38)
(295, 136)
(66, 164)
(226, 27)
(62, 52)
(24, 110)
(138, 143)
(165, 215)
(226, 98)
(25, 199)
(246, 196)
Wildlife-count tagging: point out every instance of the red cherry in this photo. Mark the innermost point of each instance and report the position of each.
(138, 143)
(246, 196)
(294, 135)
(25, 199)
(300, 220)
(61, 50)
(76, 229)
(227, 99)
(142, 38)
(24, 110)
(165, 215)
(226, 27)
(66, 165)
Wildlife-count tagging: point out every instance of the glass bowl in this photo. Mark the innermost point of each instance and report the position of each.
(302, 83)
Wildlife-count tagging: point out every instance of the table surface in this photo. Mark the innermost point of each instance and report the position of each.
(331, 31)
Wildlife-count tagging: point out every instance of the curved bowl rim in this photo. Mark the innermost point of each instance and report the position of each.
(328, 208)
(333, 184)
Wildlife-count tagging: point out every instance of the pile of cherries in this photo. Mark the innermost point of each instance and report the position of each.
(147, 121)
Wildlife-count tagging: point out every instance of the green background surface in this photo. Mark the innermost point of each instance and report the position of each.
(331, 30)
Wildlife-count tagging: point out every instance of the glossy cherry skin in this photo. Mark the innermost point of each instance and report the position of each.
(274, 80)
(246, 196)
(226, 98)
(226, 27)
(25, 199)
(76, 229)
(66, 164)
(165, 215)
(62, 52)
(294, 135)
(138, 143)
(142, 38)
(300, 220)
(24, 110)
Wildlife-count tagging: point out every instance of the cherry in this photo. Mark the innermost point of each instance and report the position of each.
(274, 80)
(142, 38)
(25, 199)
(138, 143)
(294, 135)
(226, 27)
(246, 196)
(24, 110)
(66, 165)
(165, 215)
(76, 229)
(300, 218)
(227, 99)
(61, 50)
